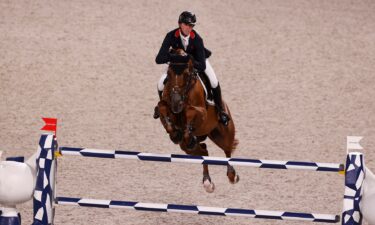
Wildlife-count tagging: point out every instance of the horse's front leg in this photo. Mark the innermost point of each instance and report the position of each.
(176, 135)
(164, 118)
(194, 117)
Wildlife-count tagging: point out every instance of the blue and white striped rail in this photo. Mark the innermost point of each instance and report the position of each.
(259, 163)
(200, 210)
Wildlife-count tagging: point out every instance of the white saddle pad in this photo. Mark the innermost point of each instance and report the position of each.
(210, 102)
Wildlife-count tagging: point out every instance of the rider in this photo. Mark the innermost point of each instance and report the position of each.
(184, 37)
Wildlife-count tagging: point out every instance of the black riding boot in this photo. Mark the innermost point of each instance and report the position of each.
(223, 117)
(156, 109)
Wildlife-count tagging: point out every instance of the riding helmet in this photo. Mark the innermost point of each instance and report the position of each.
(187, 18)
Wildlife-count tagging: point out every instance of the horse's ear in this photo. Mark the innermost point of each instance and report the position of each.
(191, 63)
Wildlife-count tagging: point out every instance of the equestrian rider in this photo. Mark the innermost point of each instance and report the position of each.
(184, 37)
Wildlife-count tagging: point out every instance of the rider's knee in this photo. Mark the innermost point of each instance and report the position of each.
(214, 83)
(211, 75)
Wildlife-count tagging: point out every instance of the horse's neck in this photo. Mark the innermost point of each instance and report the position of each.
(196, 93)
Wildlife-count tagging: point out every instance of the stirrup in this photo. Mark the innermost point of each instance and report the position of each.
(156, 112)
(224, 118)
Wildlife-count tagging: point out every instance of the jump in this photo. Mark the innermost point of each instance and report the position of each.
(184, 109)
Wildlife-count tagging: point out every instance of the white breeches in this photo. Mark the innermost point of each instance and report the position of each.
(211, 75)
(209, 71)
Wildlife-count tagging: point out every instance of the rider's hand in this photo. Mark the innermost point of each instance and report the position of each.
(176, 58)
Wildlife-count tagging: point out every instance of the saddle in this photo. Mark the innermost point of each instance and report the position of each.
(207, 88)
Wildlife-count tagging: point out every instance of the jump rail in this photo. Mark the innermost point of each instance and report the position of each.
(258, 163)
(43, 162)
(200, 210)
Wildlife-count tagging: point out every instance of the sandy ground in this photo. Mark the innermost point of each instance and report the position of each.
(297, 75)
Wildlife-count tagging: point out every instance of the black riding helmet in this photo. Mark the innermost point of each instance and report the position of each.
(187, 18)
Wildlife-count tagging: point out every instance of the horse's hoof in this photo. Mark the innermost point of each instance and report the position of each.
(209, 186)
(235, 180)
(232, 175)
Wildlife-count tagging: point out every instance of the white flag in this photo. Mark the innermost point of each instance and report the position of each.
(352, 142)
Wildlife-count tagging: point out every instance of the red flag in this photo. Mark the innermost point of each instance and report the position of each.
(50, 120)
(50, 124)
(49, 127)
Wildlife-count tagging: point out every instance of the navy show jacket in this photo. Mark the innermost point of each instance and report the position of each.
(195, 48)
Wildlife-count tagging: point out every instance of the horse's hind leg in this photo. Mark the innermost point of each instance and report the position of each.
(226, 141)
(208, 185)
(232, 175)
(231, 172)
(201, 150)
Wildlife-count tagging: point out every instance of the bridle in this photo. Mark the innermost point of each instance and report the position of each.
(192, 76)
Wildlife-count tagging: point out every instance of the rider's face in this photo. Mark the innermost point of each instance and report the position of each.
(186, 28)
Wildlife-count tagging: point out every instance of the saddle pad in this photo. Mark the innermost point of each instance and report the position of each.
(209, 101)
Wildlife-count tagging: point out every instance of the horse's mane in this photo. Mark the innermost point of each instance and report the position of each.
(180, 60)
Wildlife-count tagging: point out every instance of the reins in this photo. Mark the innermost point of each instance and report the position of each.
(191, 77)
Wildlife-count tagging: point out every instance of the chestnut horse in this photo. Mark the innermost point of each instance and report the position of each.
(189, 119)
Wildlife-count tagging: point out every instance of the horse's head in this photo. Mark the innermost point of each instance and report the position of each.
(180, 72)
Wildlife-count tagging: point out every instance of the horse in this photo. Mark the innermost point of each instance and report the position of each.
(189, 119)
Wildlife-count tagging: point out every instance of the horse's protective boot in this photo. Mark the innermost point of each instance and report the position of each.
(156, 109)
(156, 112)
(223, 117)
